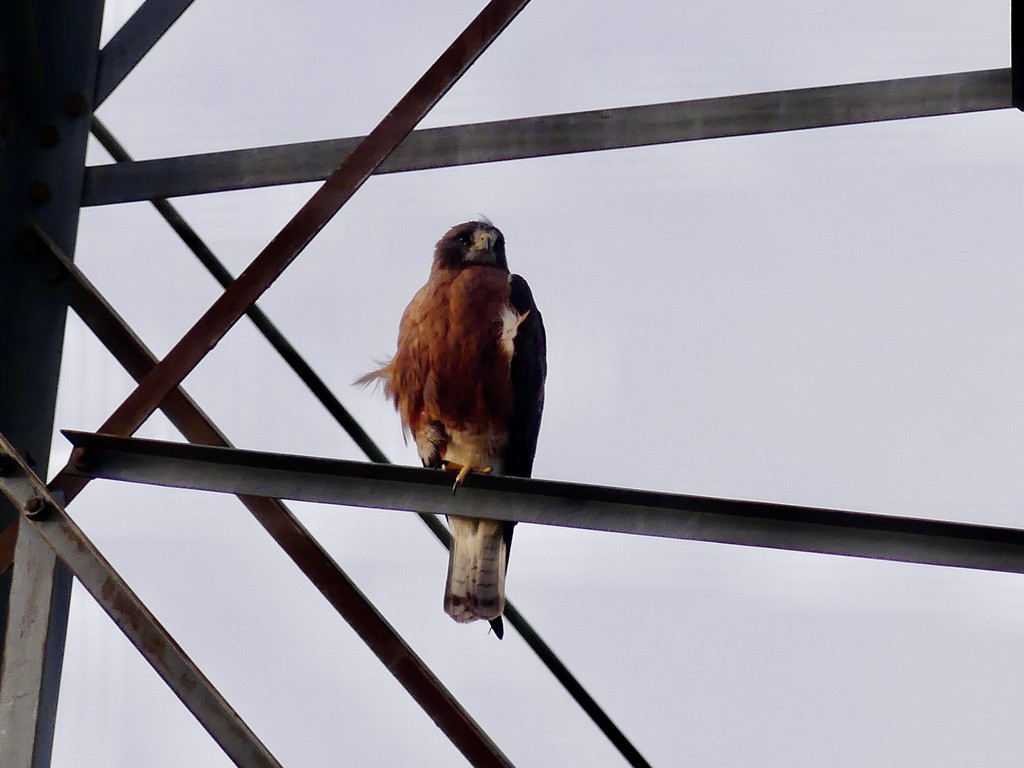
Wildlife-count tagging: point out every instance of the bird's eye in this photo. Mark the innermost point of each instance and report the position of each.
(465, 238)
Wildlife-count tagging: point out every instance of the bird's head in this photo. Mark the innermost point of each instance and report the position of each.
(474, 243)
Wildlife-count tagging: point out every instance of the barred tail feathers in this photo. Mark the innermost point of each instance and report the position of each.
(476, 569)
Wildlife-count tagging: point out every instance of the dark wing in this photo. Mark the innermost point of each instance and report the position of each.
(529, 369)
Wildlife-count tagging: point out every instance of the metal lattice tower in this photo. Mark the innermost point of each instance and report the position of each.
(54, 78)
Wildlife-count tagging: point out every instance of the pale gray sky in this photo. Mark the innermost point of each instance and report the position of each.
(830, 318)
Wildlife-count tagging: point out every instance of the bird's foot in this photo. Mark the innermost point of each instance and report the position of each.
(463, 470)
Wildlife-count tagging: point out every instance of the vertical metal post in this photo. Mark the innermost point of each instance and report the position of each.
(47, 79)
(1017, 52)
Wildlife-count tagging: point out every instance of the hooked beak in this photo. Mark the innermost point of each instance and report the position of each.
(482, 250)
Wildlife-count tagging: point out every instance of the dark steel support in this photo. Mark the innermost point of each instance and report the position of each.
(52, 528)
(313, 216)
(546, 502)
(133, 41)
(327, 398)
(1017, 51)
(278, 521)
(562, 134)
(49, 54)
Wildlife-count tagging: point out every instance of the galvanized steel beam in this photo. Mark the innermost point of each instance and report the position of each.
(44, 515)
(132, 41)
(47, 78)
(300, 545)
(649, 513)
(562, 134)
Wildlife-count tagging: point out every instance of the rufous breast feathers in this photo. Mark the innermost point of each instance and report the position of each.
(454, 352)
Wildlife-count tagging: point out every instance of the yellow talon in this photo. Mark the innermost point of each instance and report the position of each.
(463, 470)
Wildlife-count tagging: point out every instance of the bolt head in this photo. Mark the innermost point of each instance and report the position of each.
(35, 507)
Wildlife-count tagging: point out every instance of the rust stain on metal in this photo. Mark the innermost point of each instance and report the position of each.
(8, 540)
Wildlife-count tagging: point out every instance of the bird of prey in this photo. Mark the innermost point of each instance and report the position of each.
(467, 380)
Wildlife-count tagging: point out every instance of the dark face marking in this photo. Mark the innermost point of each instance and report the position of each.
(474, 243)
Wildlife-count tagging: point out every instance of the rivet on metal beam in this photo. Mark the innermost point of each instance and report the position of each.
(47, 135)
(75, 105)
(35, 507)
(39, 193)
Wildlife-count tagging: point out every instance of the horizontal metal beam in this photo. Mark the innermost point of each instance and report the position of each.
(561, 134)
(133, 41)
(698, 518)
(44, 515)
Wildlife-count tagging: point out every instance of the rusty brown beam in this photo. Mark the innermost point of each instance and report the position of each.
(335, 585)
(313, 216)
(8, 538)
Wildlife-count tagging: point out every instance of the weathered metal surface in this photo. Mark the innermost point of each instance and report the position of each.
(623, 510)
(132, 41)
(49, 527)
(48, 52)
(279, 522)
(34, 632)
(8, 539)
(313, 216)
(548, 135)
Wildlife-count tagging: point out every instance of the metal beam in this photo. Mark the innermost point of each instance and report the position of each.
(649, 513)
(48, 70)
(561, 134)
(1017, 52)
(312, 559)
(133, 41)
(51, 527)
(344, 182)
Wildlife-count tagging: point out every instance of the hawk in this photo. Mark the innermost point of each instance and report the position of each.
(467, 380)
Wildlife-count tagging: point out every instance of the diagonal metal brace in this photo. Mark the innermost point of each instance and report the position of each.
(133, 41)
(44, 513)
